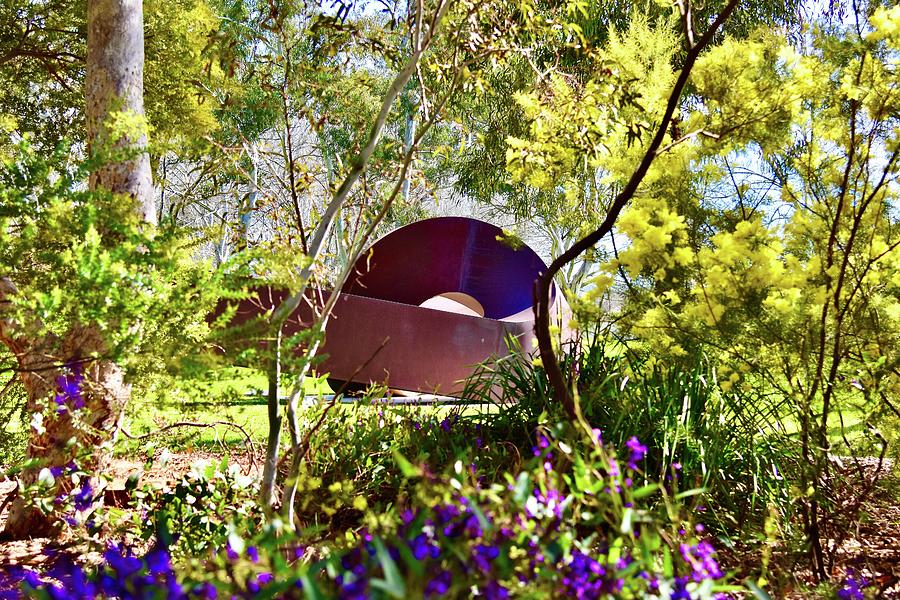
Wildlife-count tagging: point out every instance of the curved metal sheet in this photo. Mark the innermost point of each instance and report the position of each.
(448, 254)
(378, 331)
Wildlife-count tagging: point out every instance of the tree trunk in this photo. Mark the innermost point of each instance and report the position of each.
(114, 82)
(96, 387)
(63, 374)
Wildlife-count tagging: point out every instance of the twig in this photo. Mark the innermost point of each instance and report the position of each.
(337, 393)
(251, 449)
(686, 137)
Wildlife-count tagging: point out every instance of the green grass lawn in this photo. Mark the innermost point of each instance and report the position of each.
(232, 394)
(236, 395)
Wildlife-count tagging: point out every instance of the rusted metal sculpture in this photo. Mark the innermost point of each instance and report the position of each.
(425, 304)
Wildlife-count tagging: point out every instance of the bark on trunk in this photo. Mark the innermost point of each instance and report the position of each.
(114, 82)
(101, 396)
(50, 365)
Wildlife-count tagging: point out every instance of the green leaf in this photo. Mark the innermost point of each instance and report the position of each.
(310, 589)
(627, 517)
(522, 488)
(668, 567)
(482, 520)
(45, 477)
(131, 483)
(236, 542)
(406, 468)
(757, 591)
(28, 463)
(689, 493)
(163, 528)
(392, 584)
(647, 490)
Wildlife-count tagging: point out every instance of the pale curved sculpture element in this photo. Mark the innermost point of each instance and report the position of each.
(455, 302)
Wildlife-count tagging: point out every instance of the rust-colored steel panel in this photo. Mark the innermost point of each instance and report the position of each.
(449, 254)
(475, 291)
(411, 348)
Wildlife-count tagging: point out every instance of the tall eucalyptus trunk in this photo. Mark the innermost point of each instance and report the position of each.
(114, 83)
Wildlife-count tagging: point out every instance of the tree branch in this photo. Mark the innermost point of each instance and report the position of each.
(361, 161)
(542, 286)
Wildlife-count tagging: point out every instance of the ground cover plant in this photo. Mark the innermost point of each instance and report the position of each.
(572, 521)
(714, 189)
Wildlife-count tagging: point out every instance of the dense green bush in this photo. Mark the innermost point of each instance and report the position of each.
(723, 442)
(13, 436)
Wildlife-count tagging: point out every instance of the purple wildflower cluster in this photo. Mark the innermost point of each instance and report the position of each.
(486, 542)
(585, 577)
(70, 501)
(79, 500)
(701, 559)
(446, 424)
(83, 496)
(422, 538)
(60, 470)
(123, 575)
(68, 389)
(462, 545)
(637, 452)
(852, 586)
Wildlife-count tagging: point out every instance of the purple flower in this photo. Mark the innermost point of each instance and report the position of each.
(407, 516)
(255, 583)
(230, 552)
(84, 497)
(851, 589)
(585, 577)
(68, 389)
(542, 445)
(158, 562)
(700, 558)
(207, 591)
(445, 513)
(423, 547)
(483, 556)
(32, 579)
(440, 585)
(473, 527)
(638, 452)
(679, 590)
(494, 591)
(173, 588)
(613, 468)
(253, 553)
